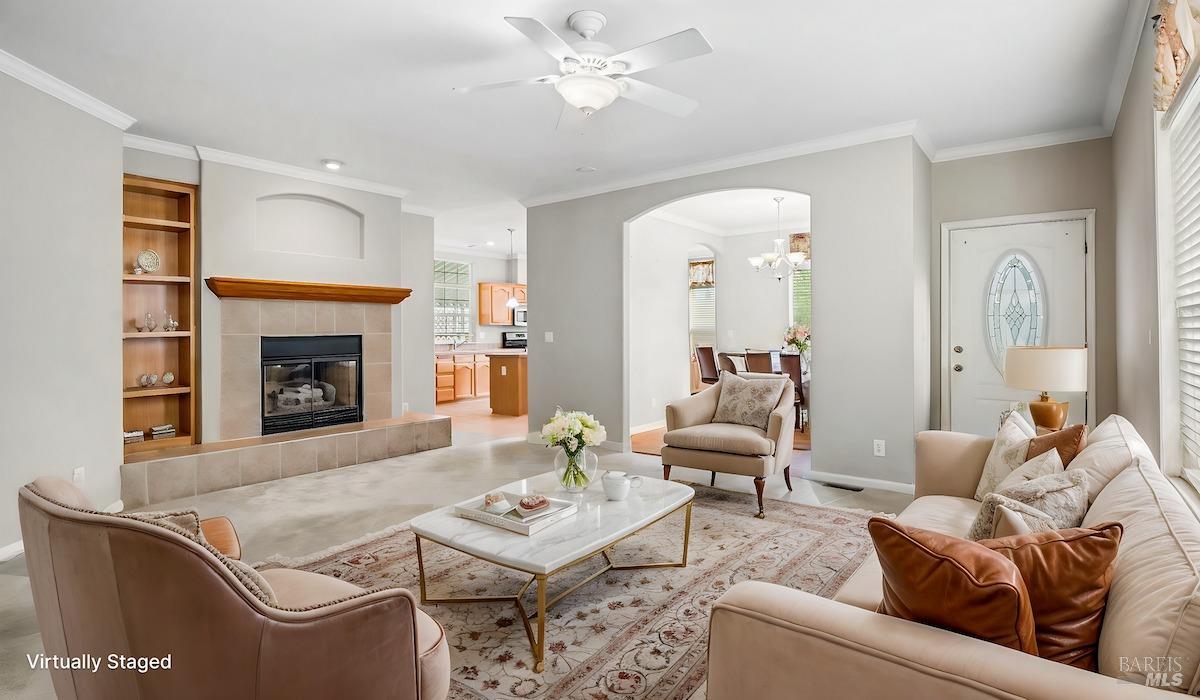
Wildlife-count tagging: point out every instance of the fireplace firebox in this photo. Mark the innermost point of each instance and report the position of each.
(310, 382)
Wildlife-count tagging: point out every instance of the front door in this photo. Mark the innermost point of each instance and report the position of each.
(1015, 284)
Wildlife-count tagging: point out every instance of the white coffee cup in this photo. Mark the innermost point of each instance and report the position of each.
(617, 485)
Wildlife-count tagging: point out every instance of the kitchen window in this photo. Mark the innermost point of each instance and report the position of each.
(801, 281)
(702, 303)
(451, 301)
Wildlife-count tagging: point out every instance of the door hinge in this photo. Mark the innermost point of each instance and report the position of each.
(1085, 248)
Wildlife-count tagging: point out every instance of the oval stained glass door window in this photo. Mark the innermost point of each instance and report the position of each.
(1016, 306)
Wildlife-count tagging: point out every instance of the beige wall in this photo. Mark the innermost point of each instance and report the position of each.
(1136, 248)
(1054, 178)
(60, 319)
(865, 322)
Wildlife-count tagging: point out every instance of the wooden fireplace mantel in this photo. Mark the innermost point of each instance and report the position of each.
(241, 288)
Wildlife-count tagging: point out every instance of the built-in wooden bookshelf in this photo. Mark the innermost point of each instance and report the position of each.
(160, 216)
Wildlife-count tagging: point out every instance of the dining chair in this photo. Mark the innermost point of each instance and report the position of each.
(765, 361)
(793, 366)
(726, 363)
(705, 355)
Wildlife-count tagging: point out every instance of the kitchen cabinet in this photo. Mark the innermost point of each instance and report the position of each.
(462, 376)
(510, 394)
(493, 302)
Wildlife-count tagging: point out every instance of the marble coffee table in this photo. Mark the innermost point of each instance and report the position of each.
(593, 531)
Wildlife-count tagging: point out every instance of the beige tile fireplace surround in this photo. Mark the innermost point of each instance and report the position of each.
(245, 321)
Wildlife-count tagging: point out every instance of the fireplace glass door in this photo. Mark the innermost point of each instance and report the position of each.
(309, 392)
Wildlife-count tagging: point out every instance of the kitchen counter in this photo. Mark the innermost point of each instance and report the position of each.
(490, 351)
(510, 394)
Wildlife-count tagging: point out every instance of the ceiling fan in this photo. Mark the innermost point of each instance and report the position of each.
(592, 75)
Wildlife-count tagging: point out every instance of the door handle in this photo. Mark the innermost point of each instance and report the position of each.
(958, 368)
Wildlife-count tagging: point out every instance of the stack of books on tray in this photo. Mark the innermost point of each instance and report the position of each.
(134, 436)
(516, 519)
(159, 432)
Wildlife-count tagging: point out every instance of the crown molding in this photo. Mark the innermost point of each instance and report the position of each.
(825, 143)
(1136, 18)
(1022, 143)
(673, 218)
(449, 250)
(166, 148)
(213, 155)
(923, 140)
(37, 78)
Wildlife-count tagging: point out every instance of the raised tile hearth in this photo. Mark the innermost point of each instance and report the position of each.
(155, 477)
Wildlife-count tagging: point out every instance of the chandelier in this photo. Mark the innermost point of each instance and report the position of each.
(780, 260)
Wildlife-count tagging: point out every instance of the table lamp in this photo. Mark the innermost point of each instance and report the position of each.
(1046, 369)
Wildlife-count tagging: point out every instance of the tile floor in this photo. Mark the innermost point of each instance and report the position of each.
(311, 512)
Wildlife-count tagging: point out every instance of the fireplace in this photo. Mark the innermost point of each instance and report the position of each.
(311, 382)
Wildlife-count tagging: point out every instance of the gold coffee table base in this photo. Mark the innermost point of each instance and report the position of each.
(537, 643)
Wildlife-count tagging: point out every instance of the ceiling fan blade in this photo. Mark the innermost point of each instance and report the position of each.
(653, 96)
(543, 80)
(541, 35)
(686, 44)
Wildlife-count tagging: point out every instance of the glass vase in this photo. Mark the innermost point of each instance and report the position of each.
(576, 472)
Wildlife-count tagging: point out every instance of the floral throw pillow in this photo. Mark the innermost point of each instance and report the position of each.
(1007, 455)
(748, 401)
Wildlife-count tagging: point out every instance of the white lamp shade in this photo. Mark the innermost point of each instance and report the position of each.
(1046, 368)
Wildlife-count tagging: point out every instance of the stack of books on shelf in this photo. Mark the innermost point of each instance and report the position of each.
(160, 432)
(134, 436)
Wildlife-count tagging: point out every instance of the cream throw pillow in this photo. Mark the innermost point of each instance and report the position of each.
(748, 401)
(1045, 464)
(1051, 502)
(1007, 455)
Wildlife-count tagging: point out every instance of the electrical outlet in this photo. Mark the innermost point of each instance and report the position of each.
(78, 476)
(880, 448)
(503, 371)
(404, 408)
(549, 336)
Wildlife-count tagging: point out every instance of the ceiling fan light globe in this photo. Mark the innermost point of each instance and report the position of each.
(588, 92)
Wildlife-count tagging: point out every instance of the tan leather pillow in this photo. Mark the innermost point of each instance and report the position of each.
(954, 584)
(1069, 442)
(1067, 574)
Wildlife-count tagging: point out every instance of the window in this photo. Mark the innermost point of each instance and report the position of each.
(1015, 306)
(801, 281)
(702, 302)
(1184, 154)
(451, 301)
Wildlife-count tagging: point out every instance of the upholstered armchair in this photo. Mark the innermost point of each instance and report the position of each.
(115, 584)
(693, 440)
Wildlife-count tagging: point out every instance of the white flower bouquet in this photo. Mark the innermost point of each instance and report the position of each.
(574, 431)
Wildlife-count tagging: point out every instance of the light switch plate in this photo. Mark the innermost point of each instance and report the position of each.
(78, 476)
(503, 371)
(880, 448)
(549, 336)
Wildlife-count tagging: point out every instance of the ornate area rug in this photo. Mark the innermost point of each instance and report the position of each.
(627, 634)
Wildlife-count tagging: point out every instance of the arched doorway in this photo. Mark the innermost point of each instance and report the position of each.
(738, 308)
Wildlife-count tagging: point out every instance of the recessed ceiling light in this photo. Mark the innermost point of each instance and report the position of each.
(491, 243)
(331, 164)
(585, 169)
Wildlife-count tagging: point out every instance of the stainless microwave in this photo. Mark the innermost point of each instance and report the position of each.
(521, 316)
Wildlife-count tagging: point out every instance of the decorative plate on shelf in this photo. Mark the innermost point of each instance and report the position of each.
(149, 261)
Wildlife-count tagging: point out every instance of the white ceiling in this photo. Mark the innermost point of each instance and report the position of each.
(370, 83)
(738, 212)
(471, 228)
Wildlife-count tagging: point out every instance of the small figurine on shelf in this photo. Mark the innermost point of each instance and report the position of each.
(151, 324)
(170, 325)
(167, 378)
(137, 270)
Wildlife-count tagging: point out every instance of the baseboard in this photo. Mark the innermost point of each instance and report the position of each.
(12, 550)
(859, 481)
(646, 427)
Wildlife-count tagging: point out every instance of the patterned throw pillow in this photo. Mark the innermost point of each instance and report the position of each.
(748, 401)
(1061, 498)
(1041, 465)
(1007, 455)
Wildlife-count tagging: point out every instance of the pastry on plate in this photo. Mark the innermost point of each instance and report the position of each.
(496, 503)
(535, 502)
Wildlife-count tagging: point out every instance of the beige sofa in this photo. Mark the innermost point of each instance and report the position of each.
(112, 584)
(769, 642)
